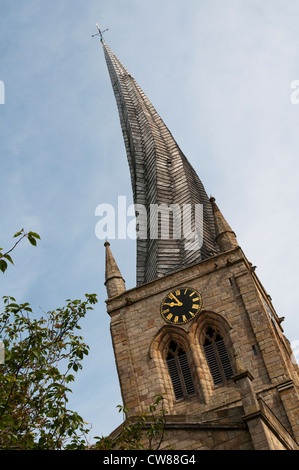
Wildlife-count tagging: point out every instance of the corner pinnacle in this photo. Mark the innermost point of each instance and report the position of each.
(114, 281)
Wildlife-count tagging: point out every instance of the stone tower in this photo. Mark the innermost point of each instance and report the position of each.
(199, 326)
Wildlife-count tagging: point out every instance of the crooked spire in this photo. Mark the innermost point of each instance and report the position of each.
(160, 174)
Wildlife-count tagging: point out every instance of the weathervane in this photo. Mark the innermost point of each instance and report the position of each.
(100, 33)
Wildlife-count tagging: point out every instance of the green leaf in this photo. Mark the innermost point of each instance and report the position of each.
(34, 235)
(3, 265)
(18, 233)
(32, 240)
(8, 257)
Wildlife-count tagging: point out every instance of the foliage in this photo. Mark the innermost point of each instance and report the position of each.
(33, 390)
(4, 257)
(41, 356)
(142, 432)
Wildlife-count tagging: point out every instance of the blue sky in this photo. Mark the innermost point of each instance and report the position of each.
(219, 73)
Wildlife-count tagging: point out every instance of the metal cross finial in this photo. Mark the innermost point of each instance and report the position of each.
(100, 33)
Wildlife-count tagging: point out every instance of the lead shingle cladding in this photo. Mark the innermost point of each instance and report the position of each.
(160, 174)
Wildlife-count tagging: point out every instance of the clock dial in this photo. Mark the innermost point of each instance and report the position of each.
(181, 305)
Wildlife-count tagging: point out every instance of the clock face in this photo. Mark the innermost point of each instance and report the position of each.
(181, 305)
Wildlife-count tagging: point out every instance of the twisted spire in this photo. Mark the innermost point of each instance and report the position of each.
(160, 174)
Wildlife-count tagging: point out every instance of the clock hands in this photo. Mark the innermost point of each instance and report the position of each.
(189, 306)
(172, 304)
(177, 303)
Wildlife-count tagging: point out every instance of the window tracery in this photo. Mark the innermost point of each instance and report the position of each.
(217, 356)
(179, 371)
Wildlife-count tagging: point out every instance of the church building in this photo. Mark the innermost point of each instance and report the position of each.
(199, 328)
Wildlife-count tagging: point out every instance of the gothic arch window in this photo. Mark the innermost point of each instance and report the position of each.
(179, 371)
(217, 356)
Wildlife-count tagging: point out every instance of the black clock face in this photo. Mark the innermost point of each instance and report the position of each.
(181, 305)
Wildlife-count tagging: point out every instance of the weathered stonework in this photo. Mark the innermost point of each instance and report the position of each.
(233, 302)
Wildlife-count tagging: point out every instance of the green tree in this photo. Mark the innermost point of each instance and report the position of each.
(145, 431)
(41, 356)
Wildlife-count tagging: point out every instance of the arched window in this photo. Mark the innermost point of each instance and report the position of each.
(217, 356)
(179, 371)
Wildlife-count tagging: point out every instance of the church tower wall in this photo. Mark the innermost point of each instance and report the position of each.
(199, 329)
(233, 304)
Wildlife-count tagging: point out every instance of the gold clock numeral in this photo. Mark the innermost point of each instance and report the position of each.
(166, 310)
(192, 314)
(197, 298)
(176, 319)
(185, 291)
(195, 306)
(192, 293)
(184, 318)
(169, 317)
(177, 292)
